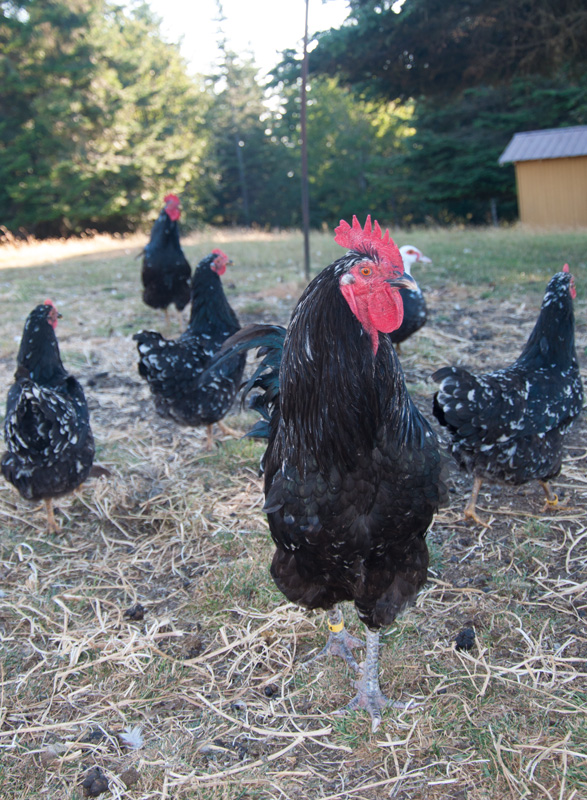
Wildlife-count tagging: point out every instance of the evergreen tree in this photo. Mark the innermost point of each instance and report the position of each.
(451, 172)
(156, 139)
(250, 162)
(46, 71)
(442, 47)
(479, 71)
(98, 117)
(353, 145)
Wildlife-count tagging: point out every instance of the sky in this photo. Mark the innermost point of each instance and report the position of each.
(262, 28)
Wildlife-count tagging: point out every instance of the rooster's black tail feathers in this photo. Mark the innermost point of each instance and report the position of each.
(269, 340)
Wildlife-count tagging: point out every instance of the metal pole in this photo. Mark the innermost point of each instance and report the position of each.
(305, 186)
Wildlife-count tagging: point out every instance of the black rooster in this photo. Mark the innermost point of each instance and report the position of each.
(415, 312)
(50, 447)
(509, 425)
(352, 469)
(173, 368)
(166, 272)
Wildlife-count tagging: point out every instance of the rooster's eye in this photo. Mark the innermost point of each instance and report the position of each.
(365, 270)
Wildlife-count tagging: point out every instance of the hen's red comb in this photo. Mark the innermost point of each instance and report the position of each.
(171, 198)
(49, 302)
(566, 268)
(357, 238)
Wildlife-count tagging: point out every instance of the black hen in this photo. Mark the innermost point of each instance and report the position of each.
(173, 368)
(166, 273)
(352, 469)
(50, 447)
(509, 425)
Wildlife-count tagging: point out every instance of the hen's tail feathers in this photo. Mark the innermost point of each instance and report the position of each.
(269, 340)
(457, 401)
(147, 337)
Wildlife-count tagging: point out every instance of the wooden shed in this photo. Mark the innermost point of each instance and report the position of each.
(551, 175)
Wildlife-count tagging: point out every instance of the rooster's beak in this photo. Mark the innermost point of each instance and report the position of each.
(404, 281)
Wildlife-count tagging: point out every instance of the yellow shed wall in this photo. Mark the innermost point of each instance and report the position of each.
(553, 191)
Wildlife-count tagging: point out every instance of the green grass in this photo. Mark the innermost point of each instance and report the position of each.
(502, 260)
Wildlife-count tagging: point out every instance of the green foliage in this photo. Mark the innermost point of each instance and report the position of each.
(46, 71)
(99, 117)
(351, 147)
(251, 183)
(157, 140)
(255, 149)
(450, 170)
(350, 144)
(438, 48)
(480, 72)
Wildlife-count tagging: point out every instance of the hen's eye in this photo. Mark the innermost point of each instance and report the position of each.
(365, 270)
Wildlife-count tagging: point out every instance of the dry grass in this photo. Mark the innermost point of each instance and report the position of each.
(207, 696)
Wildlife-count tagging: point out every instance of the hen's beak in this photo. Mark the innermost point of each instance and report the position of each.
(404, 281)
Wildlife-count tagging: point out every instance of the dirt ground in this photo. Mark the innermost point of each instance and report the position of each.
(208, 675)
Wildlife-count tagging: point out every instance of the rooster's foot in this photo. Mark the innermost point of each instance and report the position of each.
(369, 695)
(340, 644)
(372, 701)
(370, 698)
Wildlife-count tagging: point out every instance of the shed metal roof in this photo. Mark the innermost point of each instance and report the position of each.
(552, 143)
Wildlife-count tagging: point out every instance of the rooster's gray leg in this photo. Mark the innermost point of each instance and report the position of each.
(369, 695)
(340, 642)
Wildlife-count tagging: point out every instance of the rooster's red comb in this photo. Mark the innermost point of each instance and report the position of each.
(566, 268)
(171, 198)
(49, 302)
(357, 238)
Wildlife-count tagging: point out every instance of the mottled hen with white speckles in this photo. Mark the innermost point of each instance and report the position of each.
(509, 425)
(50, 447)
(173, 368)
